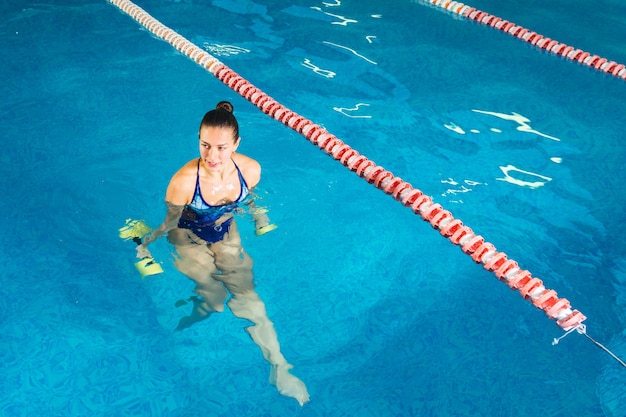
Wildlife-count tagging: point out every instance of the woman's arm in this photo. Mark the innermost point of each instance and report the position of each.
(176, 197)
(251, 171)
(171, 221)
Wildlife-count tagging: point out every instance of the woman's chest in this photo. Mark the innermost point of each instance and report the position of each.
(217, 193)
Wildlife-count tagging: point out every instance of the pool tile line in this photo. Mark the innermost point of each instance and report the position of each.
(473, 245)
(593, 61)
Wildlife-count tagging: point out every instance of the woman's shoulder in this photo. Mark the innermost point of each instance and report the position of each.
(183, 183)
(188, 170)
(250, 168)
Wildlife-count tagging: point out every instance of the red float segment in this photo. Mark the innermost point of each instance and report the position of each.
(591, 60)
(236, 83)
(260, 100)
(566, 51)
(583, 56)
(314, 133)
(371, 173)
(300, 125)
(599, 63)
(271, 107)
(226, 74)
(392, 185)
(608, 68)
(296, 122)
(429, 212)
(537, 39)
(356, 164)
(410, 198)
(420, 202)
(521, 33)
(488, 20)
(549, 43)
(247, 91)
(495, 261)
(380, 179)
(519, 279)
(339, 151)
(285, 116)
(531, 36)
(319, 135)
(363, 166)
(507, 26)
(435, 214)
(495, 21)
(554, 310)
(506, 268)
(547, 299)
(440, 217)
(460, 234)
(402, 188)
(349, 154)
(527, 288)
(468, 12)
(481, 251)
(472, 245)
(327, 142)
(572, 321)
(451, 228)
(558, 48)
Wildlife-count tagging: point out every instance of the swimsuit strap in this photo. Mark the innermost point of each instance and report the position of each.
(197, 192)
(242, 180)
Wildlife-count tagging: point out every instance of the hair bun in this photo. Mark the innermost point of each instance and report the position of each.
(225, 105)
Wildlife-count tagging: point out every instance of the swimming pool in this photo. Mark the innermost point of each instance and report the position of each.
(378, 313)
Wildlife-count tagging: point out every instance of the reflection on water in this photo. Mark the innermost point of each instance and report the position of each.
(352, 51)
(224, 50)
(319, 71)
(508, 177)
(349, 112)
(519, 119)
(512, 174)
(459, 188)
(522, 121)
(343, 21)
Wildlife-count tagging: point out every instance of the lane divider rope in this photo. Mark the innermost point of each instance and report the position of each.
(482, 252)
(577, 55)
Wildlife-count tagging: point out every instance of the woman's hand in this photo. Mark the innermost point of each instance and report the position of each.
(143, 252)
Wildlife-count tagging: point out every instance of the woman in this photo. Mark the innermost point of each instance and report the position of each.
(201, 200)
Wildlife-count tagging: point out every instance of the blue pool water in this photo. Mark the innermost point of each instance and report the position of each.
(379, 314)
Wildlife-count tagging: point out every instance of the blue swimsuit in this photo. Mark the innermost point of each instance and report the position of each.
(200, 217)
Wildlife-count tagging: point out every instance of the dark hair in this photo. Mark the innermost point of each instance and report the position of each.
(221, 116)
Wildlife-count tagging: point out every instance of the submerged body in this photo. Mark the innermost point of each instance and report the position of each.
(202, 198)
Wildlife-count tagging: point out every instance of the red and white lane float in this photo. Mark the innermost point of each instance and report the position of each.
(558, 48)
(474, 245)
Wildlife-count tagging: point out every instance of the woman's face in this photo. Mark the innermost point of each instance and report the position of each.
(216, 147)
